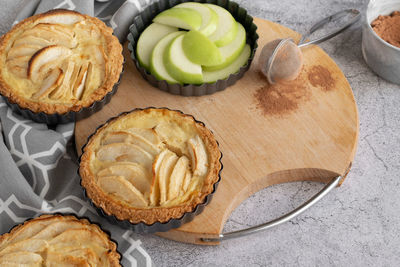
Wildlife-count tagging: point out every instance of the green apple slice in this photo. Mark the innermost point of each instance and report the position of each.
(226, 28)
(209, 19)
(183, 18)
(200, 50)
(230, 51)
(179, 66)
(213, 76)
(157, 67)
(148, 40)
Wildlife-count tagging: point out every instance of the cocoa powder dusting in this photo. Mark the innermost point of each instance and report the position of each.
(282, 98)
(388, 28)
(321, 77)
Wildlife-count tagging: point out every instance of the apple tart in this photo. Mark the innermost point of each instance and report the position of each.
(59, 61)
(56, 240)
(150, 165)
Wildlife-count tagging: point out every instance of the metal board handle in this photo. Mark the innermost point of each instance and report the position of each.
(287, 217)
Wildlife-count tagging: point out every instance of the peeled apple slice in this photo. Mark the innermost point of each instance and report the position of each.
(155, 187)
(179, 66)
(124, 152)
(122, 189)
(148, 40)
(183, 18)
(132, 172)
(177, 177)
(164, 173)
(44, 56)
(209, 19)
(50, 83)
(213, 76)
(198, 155)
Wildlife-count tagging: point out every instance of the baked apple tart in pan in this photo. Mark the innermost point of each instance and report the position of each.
(150, 169)
(57, 240)
(59, 63)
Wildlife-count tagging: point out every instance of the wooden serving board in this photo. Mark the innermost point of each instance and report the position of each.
(307, 131)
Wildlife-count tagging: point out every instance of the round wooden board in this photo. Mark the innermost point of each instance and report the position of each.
(311, 134)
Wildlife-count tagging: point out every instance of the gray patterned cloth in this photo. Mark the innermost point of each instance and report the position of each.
(38, 164)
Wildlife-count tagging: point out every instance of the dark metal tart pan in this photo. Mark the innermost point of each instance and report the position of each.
(157, 226)
(145, 18)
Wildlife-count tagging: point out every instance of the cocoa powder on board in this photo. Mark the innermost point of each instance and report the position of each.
(321, 77)
(282, 98)
(388, 28)
(285, 97)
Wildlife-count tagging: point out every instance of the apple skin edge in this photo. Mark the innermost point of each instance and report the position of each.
(184, 18)
(209, 17)
(149, 39)
(213, 76)
(179, 66)
(157, 66)
(226, 28)
(231, 51)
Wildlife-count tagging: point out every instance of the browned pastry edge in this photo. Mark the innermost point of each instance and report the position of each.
(113, 67)
(149, 216)
(112, 253)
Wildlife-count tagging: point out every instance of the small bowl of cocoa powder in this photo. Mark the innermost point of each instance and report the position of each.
(381, 38)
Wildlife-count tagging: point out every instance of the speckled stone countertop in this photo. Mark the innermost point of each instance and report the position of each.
(357, 224)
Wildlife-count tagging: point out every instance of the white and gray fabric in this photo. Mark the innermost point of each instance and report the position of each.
(38, 163)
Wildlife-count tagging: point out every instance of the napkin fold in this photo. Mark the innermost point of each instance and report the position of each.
(38, 163)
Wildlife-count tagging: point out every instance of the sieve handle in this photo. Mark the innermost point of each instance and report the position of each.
(287, 217)
(356, 16)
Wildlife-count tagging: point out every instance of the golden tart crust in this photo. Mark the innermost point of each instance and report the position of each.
(59, 61)
(176, 132)
(53, 240)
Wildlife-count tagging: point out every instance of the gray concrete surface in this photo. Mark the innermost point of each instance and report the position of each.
(358, 223)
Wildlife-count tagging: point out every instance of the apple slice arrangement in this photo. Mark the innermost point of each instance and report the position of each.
(193, 43)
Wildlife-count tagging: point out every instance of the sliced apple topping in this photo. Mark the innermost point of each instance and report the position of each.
(186, 182)
(64, 90)
(122, 189)
(45, 55)
(198, 155)
(21, 258)
(32, 40)
(57, 228)
(86, 236)
(29, 245)
(149, 134)
(155, 187)
(132, 172)
(177, 177)
(98, 54)
(132, 138)
(18, 65)
(50, 83)
(90, 256)
(55, 34)
(125, 152)
(54, 259)
(23, 50)
(164, 174)
(21, 61)
(79, 85)
(61, 18)
(25, 232)
(191, 192)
